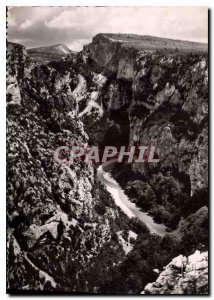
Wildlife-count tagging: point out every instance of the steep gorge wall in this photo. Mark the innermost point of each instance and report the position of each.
(59, 217)
(176, 112)
(111, 57)
(162, 97)
(61, 221)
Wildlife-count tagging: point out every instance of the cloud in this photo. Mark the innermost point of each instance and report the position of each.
(75, 26)
(26, 24)
(78, 44)
(76, 18)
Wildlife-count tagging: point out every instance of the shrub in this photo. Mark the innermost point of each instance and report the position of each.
(100, 209)
(139, 227)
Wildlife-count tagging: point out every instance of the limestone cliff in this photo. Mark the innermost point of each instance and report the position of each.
(116, 53)
(155, 92)
(183, 275)
(59, 217)
(65, 232)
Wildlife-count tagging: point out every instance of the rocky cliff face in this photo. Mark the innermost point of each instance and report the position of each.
(117, 53)
(59, 217)
(64, 230)
(177, 121)
(154, 97)
(16, 56)
(183, 275)
(111, 57)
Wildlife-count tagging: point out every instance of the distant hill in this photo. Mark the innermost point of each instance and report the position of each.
(49, 53)
(146, 42)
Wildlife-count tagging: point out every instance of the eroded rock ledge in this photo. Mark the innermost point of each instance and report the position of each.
(183, 275)
(62, 225)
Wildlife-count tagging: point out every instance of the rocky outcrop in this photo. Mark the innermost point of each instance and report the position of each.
(59, 216)
(153, 96)
(112, 56)
(183, 276)
(16, 56)
(116, 53)
(63, 227)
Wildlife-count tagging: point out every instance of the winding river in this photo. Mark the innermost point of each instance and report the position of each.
(128, 207)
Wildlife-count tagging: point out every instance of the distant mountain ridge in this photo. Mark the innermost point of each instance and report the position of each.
(57, 48)
(49, 53)
(137, 42)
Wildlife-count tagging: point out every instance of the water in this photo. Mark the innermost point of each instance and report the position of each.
(128, 207)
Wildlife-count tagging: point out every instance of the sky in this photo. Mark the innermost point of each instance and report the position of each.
(75, 26)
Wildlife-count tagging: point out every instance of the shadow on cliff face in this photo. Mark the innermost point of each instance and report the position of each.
(118, 131)
(113, 128)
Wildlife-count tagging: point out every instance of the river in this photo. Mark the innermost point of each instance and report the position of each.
(128, 207)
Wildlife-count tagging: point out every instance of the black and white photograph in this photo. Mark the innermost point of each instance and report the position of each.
(107, 118)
